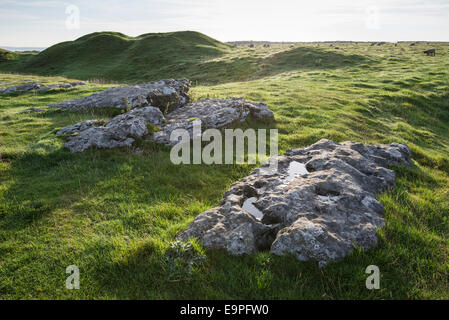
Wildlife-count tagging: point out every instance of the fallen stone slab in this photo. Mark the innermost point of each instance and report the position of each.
(167, 95)
(213, 113)
(318, 205)
(61, 86)
(217, 113)
(121, 131)
(21, 88)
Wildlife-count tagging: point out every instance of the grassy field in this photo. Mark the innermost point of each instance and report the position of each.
(114, 213)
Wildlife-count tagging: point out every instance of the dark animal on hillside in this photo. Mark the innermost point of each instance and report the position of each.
(412, 44)
(251, 46)
(430, 52)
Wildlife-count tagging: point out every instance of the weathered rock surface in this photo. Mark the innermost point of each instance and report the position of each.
(62, 86)
(81, 126)
(167, 95)
(121, 131)
(38, 86)
(213, 113)
(21, 88)
(318, 205)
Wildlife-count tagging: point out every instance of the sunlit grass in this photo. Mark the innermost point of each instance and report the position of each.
(113, 213)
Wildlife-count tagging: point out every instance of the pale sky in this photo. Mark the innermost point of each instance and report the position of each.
(43, 23)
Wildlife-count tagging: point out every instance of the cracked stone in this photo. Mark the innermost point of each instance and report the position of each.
(167, 95)
(320, 213)
(120, 131)
(213, 113)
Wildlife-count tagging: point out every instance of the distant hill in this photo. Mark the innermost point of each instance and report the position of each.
(118, 57)
(23, 49)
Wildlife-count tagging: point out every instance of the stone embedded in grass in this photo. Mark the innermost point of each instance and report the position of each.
(213, 113)
(125, 128)
(318, 214)
(62, 86)
(121, 131)
(21, 88)
(167, 95)
(33, 109)
(37, 86)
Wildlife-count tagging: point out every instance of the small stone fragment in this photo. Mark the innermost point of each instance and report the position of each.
(62, 86)
(33, 109)
(21, 88)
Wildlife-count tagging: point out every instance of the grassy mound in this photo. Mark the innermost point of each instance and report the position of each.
(118, 57)
(115, 57)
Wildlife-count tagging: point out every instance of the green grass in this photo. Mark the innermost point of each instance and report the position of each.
(6, 55)
(117, 57)
(114, 213)
(111, 56)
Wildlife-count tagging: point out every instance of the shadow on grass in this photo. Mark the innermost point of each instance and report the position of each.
(140, 272)
(192, 66)
(46, 179)
(253, 68)
(119, 186)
